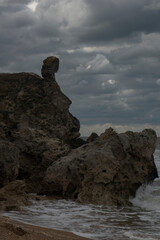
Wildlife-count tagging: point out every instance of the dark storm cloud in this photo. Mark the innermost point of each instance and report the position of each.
(114, 20)
(109, 54)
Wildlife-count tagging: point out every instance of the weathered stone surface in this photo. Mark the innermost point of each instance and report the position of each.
(13, 196)
(36, 157)
(9, 162)
(106, 171)
(29, 105)
(50, 67)
(35, 125)
(92, 137)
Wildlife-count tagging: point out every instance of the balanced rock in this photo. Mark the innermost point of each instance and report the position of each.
(50, 67)
(106, 171)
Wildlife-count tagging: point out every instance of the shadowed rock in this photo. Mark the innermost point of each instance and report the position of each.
(36, 122)
(106, 171)
(9, 162)
(92, 137)
(13, 196)
(32, 107)
(50, 67)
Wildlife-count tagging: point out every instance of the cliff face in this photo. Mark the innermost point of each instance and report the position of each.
(37, 137)
(30, 103)
(35, 121)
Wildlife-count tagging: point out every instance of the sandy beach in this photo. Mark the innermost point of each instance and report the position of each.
(14, 230)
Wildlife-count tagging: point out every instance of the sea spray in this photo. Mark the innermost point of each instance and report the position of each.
(148, 196)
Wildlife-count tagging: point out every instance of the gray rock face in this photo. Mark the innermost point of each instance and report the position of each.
(106, 171)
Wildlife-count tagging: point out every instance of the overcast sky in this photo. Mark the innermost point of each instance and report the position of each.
(109, 54)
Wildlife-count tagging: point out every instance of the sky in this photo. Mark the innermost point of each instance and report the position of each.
(109, 53)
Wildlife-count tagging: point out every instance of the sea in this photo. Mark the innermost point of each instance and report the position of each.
(138, 222)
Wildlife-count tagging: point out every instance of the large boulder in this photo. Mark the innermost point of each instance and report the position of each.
(36, 157)
(106, 171)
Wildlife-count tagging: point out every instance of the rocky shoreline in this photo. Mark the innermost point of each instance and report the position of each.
(42, 153)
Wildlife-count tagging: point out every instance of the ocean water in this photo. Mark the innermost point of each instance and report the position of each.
(139, 222)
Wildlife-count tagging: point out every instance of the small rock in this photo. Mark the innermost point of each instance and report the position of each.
(50, 67)
(92, 137)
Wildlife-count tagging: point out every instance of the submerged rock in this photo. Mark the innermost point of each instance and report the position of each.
(106, 171)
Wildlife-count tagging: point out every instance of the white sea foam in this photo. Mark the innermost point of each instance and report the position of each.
(148, 197)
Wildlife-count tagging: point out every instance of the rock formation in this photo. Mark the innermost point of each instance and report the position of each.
(92, 137)
(50, 67)
(31, 106)
(106, 171)
(13, 196)
(38, 135)
(36, 126)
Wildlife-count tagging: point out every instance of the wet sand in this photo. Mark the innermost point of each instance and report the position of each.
(14, 230)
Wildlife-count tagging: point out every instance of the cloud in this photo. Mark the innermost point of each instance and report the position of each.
(98, 64)
(109, 54)
(33, 5)
(154, 5)
(158, 81)
(119, 20)
(67, 14)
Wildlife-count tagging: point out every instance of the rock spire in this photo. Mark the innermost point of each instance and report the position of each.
(50, 67)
